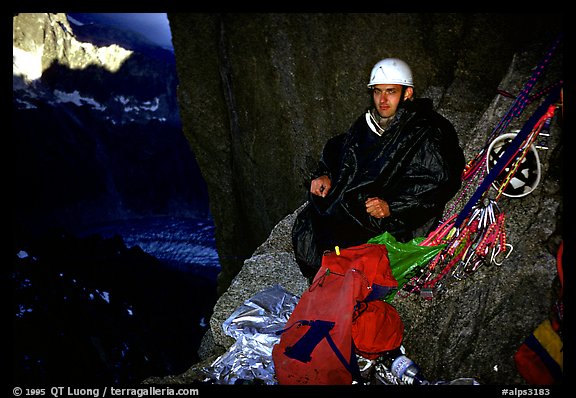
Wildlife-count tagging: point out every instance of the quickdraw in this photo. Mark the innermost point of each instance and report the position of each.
(481, 241)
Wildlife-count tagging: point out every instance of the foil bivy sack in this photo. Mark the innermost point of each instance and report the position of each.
(340, 315)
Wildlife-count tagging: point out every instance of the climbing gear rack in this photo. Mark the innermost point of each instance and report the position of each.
(476, 236)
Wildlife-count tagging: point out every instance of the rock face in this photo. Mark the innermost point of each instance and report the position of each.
(260, 94)
(271, 88)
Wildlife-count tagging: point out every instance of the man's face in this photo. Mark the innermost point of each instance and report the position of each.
(387, 97)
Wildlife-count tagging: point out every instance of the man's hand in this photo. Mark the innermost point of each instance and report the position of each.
(320, 186)
(377, 207)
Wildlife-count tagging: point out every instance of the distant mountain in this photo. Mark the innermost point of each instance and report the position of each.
(116, 72)
(97, 145)
(96, 127)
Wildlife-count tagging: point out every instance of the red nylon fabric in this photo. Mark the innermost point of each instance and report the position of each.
(339, 284)
(377, 329)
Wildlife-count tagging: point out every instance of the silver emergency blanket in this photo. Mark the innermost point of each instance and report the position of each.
(253, 325)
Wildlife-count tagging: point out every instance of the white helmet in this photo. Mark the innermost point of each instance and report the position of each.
(391, 71)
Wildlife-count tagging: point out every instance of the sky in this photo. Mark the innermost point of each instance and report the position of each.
(153, 25)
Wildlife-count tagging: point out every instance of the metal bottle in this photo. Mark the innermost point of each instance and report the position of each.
(406, 370)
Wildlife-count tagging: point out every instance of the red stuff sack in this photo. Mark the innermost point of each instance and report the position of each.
(316, 347)
(376, 328)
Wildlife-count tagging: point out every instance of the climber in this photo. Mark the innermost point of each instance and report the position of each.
(394, 170)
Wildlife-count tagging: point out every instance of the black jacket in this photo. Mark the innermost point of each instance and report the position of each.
(416, 166)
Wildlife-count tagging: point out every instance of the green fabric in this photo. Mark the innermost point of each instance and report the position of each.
(406, 258)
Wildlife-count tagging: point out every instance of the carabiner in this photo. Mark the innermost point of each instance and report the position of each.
(495, 255)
